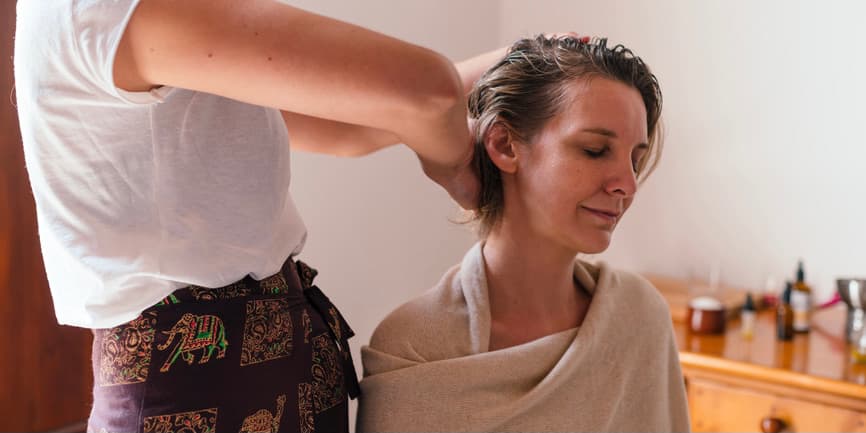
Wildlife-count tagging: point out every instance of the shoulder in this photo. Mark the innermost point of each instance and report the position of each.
(640, 287)
(636, 295)
(431, 327)
(77, 21)
(43, 27)
(69, 46)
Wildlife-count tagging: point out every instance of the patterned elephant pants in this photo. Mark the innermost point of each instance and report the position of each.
(255, 356)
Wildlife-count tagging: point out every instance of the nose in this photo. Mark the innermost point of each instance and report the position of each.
(622, 181)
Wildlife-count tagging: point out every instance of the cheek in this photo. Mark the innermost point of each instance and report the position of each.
(560, 181)
(579, 182)
(545, 176)
(627, 203)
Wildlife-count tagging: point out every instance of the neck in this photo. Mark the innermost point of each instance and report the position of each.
(529, 278)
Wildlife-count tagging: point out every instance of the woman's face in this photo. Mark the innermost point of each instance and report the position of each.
(576, 179)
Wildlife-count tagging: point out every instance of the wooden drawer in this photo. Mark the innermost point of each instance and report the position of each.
(717, 407)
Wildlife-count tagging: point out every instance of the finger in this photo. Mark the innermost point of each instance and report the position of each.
(575, 35)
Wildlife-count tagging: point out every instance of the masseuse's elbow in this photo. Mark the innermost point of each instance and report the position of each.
(437, 91)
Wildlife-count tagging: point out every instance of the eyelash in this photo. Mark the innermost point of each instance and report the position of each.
(596, 154)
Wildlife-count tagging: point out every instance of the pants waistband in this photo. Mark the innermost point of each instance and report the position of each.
(293, 278)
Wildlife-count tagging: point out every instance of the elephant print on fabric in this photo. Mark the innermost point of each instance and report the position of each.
(205, 333)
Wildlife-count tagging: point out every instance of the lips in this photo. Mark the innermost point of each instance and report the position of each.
(605, 214)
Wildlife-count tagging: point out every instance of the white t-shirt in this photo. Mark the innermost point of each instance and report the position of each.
(138, 194)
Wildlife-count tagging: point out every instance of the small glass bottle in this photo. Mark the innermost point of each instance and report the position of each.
(801, 301)
(747, 318)
(858, 346)
(785, 316)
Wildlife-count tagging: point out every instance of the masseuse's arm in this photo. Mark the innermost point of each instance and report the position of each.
(318, 135)
(470, 70)
(315, 134)
(267, 53)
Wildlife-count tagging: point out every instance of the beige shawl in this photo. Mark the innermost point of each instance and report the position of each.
(428, 367)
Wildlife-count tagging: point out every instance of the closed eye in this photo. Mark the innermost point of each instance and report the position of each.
(596, 153)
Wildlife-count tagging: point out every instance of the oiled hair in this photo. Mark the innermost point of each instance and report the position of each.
(527, 88)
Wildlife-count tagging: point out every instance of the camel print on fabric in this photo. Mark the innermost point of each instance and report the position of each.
(203, 333)
(263, 421)
(200, 421)
(267, 331)
(125, 352)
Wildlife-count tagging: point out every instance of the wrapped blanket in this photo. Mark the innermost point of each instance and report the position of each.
(428, 367)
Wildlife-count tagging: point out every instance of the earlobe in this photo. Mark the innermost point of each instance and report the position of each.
(500, 144)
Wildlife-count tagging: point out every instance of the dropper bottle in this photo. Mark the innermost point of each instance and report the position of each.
(747, 318)
(785, 316)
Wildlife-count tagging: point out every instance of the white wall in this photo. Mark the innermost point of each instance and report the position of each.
(765, 158)
(379, 231)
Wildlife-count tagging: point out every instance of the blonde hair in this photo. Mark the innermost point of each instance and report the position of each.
(527, 87)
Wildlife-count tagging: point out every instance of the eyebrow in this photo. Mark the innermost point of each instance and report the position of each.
(608, 133)
(601, 131)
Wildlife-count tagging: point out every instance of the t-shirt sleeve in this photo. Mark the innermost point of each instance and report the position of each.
(97, 27)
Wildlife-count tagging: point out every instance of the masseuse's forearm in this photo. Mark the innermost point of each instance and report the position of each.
(319, 135)
(453, 121)
(439, 134)
(470, 70)
(342, 139)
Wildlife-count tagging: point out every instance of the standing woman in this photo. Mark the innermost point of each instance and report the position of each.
(156, 136)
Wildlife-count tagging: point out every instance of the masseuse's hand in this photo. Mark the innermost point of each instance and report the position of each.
(558, 35)
(460, 179)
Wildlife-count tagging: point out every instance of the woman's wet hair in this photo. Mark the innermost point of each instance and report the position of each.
(528, 87)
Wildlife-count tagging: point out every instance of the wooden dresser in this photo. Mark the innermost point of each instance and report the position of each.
(761, 384)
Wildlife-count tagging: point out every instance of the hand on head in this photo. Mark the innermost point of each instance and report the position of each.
(558, 35)
(460, 180)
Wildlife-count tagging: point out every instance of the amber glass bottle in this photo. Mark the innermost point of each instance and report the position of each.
(785, 316)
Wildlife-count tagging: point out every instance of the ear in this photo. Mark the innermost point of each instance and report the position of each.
(501, 145)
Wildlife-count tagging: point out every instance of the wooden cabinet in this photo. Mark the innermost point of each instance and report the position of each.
(808, 384)
(719, 405)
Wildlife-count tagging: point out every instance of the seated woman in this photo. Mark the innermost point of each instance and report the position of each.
(521, 336)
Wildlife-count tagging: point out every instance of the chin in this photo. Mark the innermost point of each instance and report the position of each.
(595, 244)
(594, 250)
